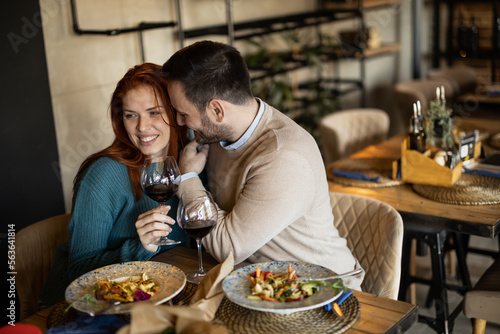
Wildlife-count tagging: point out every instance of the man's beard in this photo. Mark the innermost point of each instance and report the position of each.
(212, 133)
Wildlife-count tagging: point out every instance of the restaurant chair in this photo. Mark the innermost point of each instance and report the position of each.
(409, 92)
(463, 79)
(35, 250)
(374, 234)
(483, 301)
(344, 132)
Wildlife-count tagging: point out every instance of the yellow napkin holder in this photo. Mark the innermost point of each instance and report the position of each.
(420, 168)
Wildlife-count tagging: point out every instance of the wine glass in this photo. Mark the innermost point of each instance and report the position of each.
(197, 215)
(160, 179)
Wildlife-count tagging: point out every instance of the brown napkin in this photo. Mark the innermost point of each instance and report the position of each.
(147, 318)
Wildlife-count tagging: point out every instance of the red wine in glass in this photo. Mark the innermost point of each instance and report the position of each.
(160, 179)
(197, 229)
(197, 216)
(161, 193)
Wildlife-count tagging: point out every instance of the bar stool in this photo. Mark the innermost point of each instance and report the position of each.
(436, 240)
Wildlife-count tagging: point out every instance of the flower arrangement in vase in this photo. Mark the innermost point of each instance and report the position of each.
(439, 123)
(439, 129)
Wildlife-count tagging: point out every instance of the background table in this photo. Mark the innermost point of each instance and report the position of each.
(433, 219)
(480, 220)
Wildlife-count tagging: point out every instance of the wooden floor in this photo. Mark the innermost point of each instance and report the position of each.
(477, 265)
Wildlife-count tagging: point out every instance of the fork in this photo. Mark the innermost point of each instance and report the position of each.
(346, 274)
(101, 311)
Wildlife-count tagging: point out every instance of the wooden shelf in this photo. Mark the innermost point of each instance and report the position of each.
(327, 12)
(354, 5)
(348, 51)
(383, 50)
(295, 64)
(248, 29)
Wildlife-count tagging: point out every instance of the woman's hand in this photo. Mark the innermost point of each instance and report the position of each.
(151, 226)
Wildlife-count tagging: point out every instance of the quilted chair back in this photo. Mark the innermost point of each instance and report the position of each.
(374, 234)
(344, 132)
(463, 79)
(35, 250)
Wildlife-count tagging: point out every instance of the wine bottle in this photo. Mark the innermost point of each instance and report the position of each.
(415, 135)
(421, 122)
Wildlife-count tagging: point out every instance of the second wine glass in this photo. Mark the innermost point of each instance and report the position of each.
(197, 215)
(160, 179)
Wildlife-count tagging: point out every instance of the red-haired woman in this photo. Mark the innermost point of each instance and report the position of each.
(112, 221)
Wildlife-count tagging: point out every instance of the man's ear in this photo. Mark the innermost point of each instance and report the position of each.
(217, 110)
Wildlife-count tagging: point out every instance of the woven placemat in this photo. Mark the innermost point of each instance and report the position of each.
(470, 189)
(184, 297)
(61, 315)
(238, 319)
(375, 167)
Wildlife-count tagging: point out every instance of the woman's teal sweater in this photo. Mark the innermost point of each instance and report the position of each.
(102, 227)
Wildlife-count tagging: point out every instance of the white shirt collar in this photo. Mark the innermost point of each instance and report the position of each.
(243, 139)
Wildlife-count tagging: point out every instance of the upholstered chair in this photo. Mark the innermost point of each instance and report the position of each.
(463, 79)
(374, 234)
(35, 250)
(482, 303)
(344, 132)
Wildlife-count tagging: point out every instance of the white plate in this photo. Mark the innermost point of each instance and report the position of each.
(236, 286)
(171, 281)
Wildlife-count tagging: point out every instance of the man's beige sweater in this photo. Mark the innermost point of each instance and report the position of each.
(273, 200)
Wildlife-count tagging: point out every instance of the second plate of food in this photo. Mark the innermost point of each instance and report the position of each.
(237, 287)
(168, 282)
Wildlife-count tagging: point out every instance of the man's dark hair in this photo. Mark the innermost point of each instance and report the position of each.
(209, 70)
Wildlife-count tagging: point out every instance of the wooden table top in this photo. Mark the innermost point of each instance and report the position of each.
(377, 314)
(480, 220)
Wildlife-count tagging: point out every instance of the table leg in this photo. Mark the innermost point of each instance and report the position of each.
(461, 243)
(435, 239)
(440, 294)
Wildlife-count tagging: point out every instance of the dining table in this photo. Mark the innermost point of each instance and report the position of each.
(375, 314)
(478, 220)
(425, 212)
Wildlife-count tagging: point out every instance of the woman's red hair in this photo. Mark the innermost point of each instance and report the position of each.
(122, 149)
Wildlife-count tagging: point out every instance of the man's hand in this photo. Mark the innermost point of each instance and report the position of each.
(191, 160)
